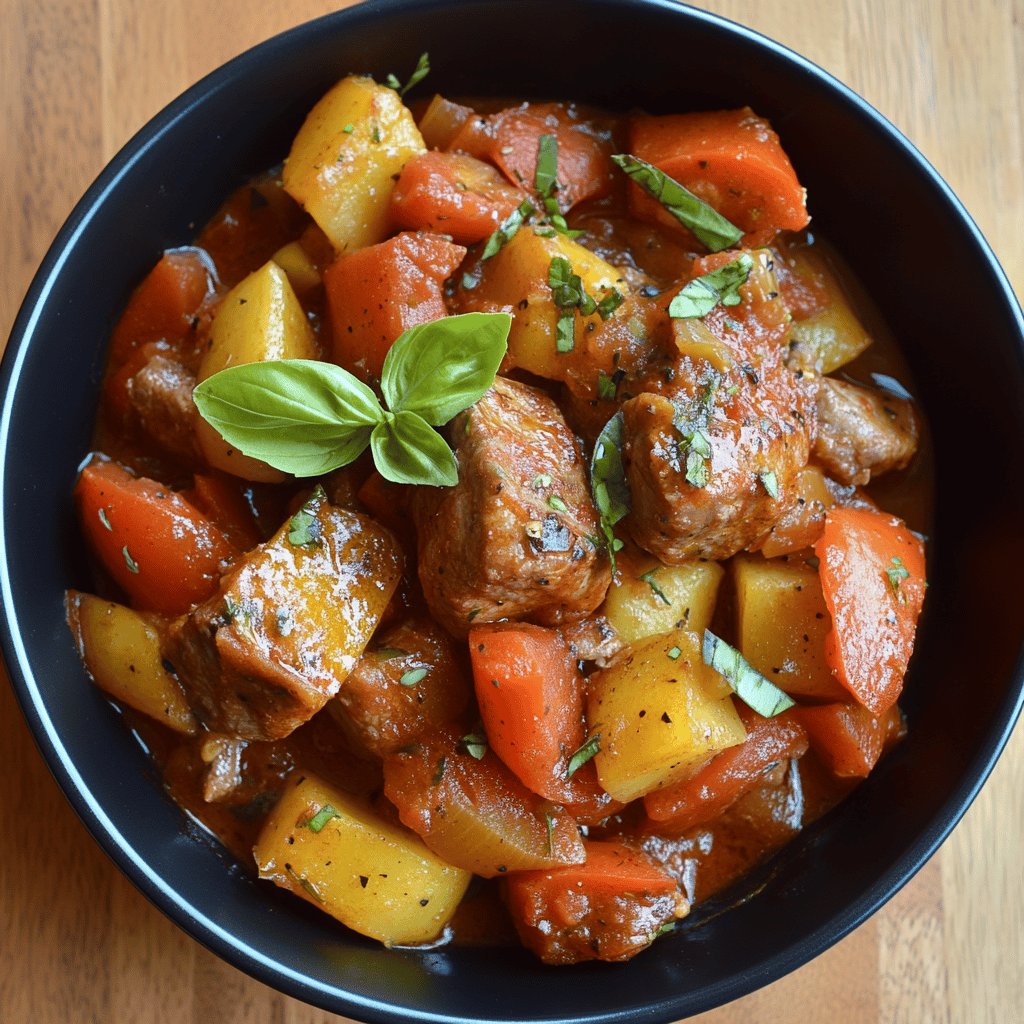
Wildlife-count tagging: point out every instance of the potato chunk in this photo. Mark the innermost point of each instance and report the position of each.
(657, 710)
(346, 157)
(373, 876)
(647, 598)
(258, 320)
(121, 650)
(782, 625)
(267, 651)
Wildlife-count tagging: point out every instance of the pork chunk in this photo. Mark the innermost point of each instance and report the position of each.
(712, 467)
(161, 395)
(862, 432)
(279, 638)
(510, 540)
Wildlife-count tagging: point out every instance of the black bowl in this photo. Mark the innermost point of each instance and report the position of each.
(903, 232)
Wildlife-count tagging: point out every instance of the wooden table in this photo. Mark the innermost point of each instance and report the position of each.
(77, 942)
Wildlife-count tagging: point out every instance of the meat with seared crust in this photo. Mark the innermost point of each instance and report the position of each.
(512, 538)
(862, 432)
(161, 395)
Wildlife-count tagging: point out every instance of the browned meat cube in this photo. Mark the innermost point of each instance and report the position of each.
(161, 395)
(412, 681)
(713, 466)
(288, 623)
(511, 539)
(862, 432)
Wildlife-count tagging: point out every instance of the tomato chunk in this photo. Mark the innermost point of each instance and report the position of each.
(873, 578)
(164, 553)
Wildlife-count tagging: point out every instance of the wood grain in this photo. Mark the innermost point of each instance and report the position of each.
(77, 78)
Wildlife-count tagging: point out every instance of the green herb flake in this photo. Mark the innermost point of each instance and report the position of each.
(770, 482)
(545, 181)
(420, 72)
(611, 302)
(721, 286)
(556, 503)
(102, 513)
(674, 653)
(507, 229)
(583, 755)
(324, 815)
(706, 223)
(349, 129)
(565, 333)
(608, 483)
(304, 529)
(540, 481)
(896, 572)
(648, 578)
(668, 926)
(746, 682)
(474, 744)
(413, 676)
(133, 566)
(390, 653)
(606, 386)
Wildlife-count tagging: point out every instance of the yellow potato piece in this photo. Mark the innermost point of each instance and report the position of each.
(647, 598)
(782, 624)
(373, 876)
(658, 709)
(300, 268)
(258, 320)
(121, 650)
(345, 159)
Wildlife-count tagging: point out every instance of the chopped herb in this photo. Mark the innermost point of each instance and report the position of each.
(770, 482)
(133, 566)
(746, 682)
(304, 529)
(541, 480)
(709, 226)
(324, 815)
(608, 483)
(691, 422)
(420, 72)
(506, 230)
(442, 764)
(703, 293)
(606, 386)
(104, 520)
(610, 303)
(390, 653)
(375, 133)
(349, 129)
(674, 653)
(546, 179)
(668, 926)
(896, 573)
(583, 755)
(648, 578)
(557, 504)
(413, 676)
(565, 332)
(698, 449)
(473, 744)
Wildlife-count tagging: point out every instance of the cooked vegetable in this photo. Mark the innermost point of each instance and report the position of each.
(657, 710)
(162, 552)
(703, 293)
(848, 738)
(873, 618)
(121, 650)
(372, 875)
(344, 160)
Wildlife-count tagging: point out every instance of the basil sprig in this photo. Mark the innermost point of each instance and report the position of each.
(746, 682)
(709, 226)
(420, 72)
(307, 417)
(703, 293)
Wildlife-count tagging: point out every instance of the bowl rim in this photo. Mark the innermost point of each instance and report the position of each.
(173, 903)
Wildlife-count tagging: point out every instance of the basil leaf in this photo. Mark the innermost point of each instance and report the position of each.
(747, 683)
(703, 293)
(304, 527)
(709, 226)
(590, 749)
(505, 231)
(301, 416)
(608, 482)
(320, 819)
(407, 450)
(546, 179)
(439, 368)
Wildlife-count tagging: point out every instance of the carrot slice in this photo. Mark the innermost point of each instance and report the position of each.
(220, 497)
(165, 554)
(376, 293)
(873, 578)
(453, 194)
(848, 738)
(729, 158)
(530, 694)
(730, 774)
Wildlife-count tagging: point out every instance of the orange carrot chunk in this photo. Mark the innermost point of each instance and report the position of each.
(873, 578)
(848, 738)
(453, 194)
(530, 694)
(165, 554)
(729, 158)
(376, 293)
(730, 774)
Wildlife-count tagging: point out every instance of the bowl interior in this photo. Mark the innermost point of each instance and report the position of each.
(870, 195)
